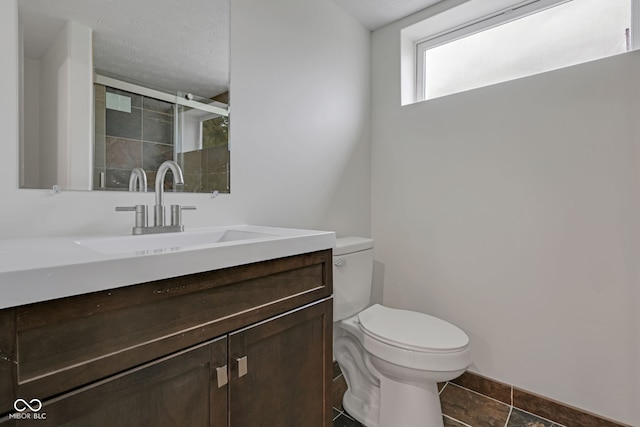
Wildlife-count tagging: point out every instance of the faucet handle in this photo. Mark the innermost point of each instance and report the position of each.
(176, 214)
(141, 214)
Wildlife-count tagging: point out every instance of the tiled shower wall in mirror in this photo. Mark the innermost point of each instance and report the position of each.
(205, 165)
(132, 131)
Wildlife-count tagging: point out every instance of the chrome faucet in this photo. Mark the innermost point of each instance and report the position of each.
(159, 225)
(138, 178)
(178, 178)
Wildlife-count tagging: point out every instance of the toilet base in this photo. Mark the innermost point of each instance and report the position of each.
(364, 413)
(408, 405)
(402, 404)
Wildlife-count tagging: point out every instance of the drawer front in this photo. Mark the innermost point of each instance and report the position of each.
(70, 342)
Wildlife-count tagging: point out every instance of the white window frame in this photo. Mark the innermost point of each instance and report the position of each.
(512, 13)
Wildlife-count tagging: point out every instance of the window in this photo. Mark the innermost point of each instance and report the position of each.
(533, 37)
(214, 131)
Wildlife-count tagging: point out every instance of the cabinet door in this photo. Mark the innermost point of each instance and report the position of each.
(281, 370)
(178, 390)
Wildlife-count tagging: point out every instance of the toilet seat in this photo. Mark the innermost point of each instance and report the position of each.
(410, 330)
(410, 340)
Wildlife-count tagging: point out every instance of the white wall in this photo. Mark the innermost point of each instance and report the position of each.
(300, 152)
(513, 211)
(31, 133)
(66, 106)
(77, 152)
(190, 131)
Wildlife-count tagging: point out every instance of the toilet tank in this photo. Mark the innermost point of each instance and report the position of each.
(352, 276)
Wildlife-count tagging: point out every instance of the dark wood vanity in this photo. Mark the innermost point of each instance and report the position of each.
(241, 346)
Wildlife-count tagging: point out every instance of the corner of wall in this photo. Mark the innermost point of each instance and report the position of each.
(407, 70)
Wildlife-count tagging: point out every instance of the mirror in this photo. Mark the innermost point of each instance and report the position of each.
(108, 86)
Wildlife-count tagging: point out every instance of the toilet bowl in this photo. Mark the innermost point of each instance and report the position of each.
(391, 359)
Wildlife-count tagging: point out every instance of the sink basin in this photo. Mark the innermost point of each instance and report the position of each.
(171, 241)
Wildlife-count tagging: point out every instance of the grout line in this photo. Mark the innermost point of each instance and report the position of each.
(512, 402)
(350, 417)
(511, 407)
(443, 387)
(339, 413)
(555, 423)
(506, 423)
(483, 395)
(456, 420)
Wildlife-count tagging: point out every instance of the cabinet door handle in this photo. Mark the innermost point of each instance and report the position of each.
(242, 366)
(221, 375)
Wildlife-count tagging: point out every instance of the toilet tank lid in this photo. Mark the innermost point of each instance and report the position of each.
(348, 245)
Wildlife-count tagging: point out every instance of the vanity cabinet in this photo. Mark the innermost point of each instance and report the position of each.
(243, 346)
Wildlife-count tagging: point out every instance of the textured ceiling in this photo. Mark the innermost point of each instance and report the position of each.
(177, 45)
(374, 14)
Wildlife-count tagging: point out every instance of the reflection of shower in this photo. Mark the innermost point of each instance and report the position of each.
(137, 127)
(202, 143)
(133, 131)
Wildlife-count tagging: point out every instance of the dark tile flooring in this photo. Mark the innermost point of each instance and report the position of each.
(461, 407)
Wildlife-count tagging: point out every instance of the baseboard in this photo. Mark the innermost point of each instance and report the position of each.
(544, 407)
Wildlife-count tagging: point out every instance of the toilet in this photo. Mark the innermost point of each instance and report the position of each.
(391, 359)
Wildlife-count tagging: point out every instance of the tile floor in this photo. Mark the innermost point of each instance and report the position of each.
(461, 407)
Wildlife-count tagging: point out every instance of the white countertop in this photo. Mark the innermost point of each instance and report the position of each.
(40, 269)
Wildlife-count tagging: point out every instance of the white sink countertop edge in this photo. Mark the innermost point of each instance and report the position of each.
(40, 269)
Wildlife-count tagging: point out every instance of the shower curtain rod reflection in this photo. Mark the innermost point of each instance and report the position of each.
(152, 93)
